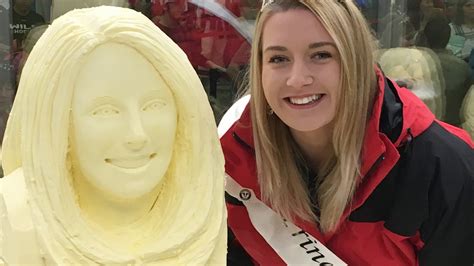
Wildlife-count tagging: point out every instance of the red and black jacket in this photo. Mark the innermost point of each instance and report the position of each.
(414, 202)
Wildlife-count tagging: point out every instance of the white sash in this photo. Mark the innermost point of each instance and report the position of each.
(292, 244)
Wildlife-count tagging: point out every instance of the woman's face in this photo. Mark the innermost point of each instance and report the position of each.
(426, 4)
(468, 9)
(428, 8)
(300, 70)
(450, 9)
(123, 123)
(176, 10)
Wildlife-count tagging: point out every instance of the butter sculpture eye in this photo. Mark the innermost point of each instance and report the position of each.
(153, 105)
(105, 111)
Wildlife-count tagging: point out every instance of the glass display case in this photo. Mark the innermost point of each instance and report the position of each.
(425, 45)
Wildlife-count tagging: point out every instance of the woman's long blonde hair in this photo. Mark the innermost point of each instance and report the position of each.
(277, 154)
(37, 141)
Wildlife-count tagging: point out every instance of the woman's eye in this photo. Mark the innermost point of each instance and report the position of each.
(321, 55)
(106, 110)
(153, 105)
(277, 59)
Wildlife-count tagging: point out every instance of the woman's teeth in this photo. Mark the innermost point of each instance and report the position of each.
(305, 100)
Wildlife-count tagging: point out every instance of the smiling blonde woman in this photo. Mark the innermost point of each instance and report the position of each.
(111, 153)
(331, 162)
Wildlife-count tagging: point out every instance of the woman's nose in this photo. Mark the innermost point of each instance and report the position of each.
(300, 75)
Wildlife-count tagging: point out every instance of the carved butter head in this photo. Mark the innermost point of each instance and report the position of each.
(123, 122)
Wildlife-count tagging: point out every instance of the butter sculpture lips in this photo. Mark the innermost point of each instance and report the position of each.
(131, 162)
(111, 153)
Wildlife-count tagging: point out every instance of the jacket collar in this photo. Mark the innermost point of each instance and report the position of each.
(386, 118)
(243, 129)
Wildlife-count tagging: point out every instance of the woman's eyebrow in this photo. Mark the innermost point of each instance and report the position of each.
(311, 46)
(321, 44)
(275, 48)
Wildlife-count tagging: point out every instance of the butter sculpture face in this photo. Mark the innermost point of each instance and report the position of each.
(124, 123)
(111, 153)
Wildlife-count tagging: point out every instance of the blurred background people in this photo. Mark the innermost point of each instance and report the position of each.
(450, 9)
(60, 7)
(180, 21)
(23, 19)
(20, 58)
(396, 30)
(462, 30)
(456, 72)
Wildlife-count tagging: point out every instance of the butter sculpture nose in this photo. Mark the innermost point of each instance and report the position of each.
(137, 137)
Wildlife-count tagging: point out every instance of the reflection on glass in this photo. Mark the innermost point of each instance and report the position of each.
(456, 72)
(23, 19)
(20, 57)
(216, 37)
(60, 7)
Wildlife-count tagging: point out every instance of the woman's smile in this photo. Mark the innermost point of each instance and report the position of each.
(305, 102)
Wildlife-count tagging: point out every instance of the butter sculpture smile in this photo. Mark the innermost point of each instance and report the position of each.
(111, 152)
(132, 162)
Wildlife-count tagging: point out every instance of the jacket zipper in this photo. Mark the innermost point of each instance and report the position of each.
(241, 141)
(374, 166)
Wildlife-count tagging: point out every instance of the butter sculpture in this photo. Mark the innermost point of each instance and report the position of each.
(111, 152)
